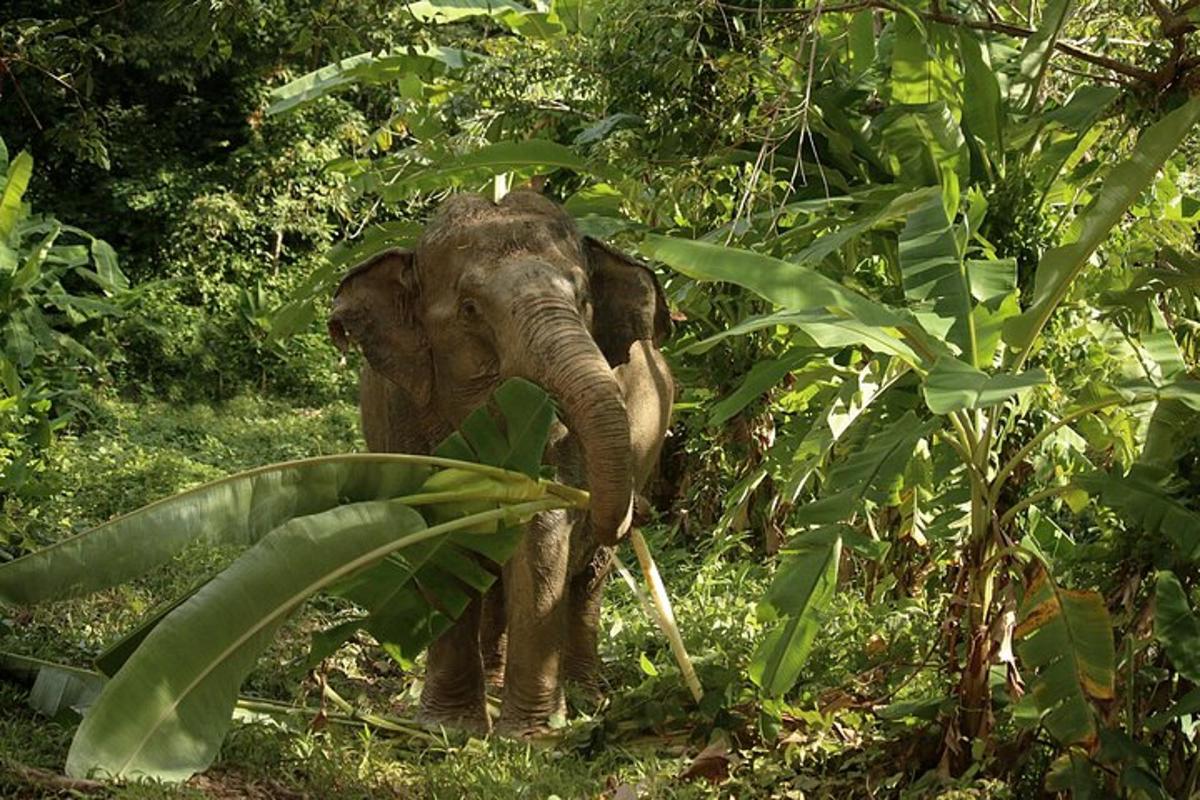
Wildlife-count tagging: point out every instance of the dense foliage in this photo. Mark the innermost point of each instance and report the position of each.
(935, 268)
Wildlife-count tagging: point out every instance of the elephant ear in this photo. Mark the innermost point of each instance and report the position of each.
(628, 304)
(375, 307)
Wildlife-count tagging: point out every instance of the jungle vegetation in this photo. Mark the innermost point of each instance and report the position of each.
(929, 509)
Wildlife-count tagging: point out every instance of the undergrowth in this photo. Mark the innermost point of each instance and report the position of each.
(642, 736)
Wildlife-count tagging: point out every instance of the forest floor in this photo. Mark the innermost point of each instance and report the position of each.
(642, 740)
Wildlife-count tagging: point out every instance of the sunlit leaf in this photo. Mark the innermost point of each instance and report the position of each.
(1064, 638)
(20, 170)
(800, 593)
(953, 386)
(199, 655)
(1176, 626)
(1059, 266)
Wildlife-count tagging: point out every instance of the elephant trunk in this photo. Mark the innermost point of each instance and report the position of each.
(559, 353)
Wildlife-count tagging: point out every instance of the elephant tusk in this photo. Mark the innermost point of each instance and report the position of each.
(660, 608)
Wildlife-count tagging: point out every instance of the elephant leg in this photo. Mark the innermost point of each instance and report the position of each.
(535, 602)
(493, 636)
(582, 663)
(453, 694)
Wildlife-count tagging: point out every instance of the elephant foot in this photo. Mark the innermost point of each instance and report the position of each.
(524, 720)
(467, 721)
(583, 679)
(521, 727)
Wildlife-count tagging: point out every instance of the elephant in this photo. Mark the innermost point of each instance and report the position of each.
(494, 290)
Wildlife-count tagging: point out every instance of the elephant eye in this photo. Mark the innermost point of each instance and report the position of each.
(468, 308)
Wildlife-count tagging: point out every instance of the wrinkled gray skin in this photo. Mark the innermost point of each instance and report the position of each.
(491, 292)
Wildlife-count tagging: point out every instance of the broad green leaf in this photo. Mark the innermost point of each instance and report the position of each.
(934, 276)
(923, 70)
(1064, 639)
(865, 219)
(1166, 431)
(983, 110)
(911, 81)
(1143, 496)
(1068, 132)
(31, 271)
(237, 510)
(861, 32)
(526, 414)
(1176, 626)
(924, 144)
(602, 128)
(994, 288)
(848, 405)
(761, 377)
(165, 712)
(20, 170)
(786, 284)
(427, 61)
(58, 689)
(953, 386)
(800, 593)
(868, 473)
(1059, 266)
(1072, 773)
(106, 265)
(396, 593)
(1035, 56)
(438, 11)
(818, 328)
(116, 653)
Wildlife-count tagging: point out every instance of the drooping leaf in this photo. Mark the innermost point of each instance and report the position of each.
(1060, 265)
(106, 265)
(800, 593)
(1144, 497)
(953, 386)
(935, 278)
(368, 68)
(20, 170)
(761, 377)
(238, 509)
(983, 111)
(1035, 56)
(1176, 626)
(869, 473)
(846, 408)
(1065, 641)
(866, 218)
(165, 712)
(394, 592)
(439, 11)
(58, 690)
(786, 284)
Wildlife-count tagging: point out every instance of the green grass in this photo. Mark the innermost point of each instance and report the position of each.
(643, 734)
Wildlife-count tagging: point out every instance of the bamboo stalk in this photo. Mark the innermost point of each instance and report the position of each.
(664, 614)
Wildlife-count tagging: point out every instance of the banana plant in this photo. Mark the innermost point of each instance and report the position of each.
(957, 356)
(403, 537)
(40, 347)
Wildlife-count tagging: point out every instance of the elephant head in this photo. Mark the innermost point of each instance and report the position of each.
(493, 291)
